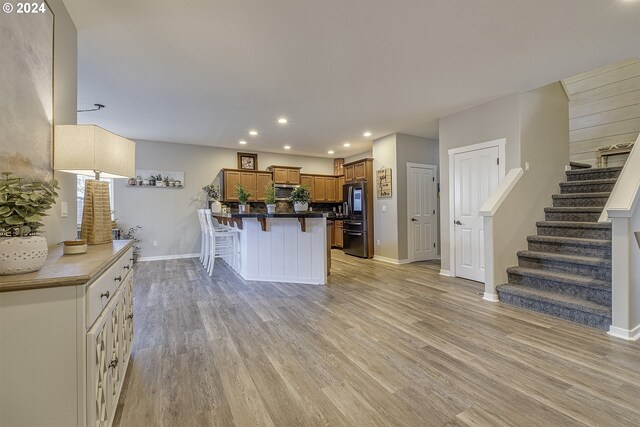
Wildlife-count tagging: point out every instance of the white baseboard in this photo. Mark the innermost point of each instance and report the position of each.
(625, 334)
(390, 260)
(165, 257)
(445, 273)
(490, 297)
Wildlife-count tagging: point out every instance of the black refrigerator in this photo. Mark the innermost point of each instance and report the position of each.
(354, 231)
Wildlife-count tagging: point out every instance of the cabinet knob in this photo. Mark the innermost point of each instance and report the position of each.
(117, 279)
(126, 267)
(105, 295)
(130, 316)
(131, 259)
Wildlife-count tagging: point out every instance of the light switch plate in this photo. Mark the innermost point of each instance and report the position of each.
(64, 209)
(384, 208)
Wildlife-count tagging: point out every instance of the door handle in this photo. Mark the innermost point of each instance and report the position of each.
(413, 219)
(456, 222)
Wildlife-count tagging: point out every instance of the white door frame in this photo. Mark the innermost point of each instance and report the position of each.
(409, 216)
(501, 144)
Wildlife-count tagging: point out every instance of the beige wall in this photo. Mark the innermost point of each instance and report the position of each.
(395, 151)
(545, 146)
(493, 120)
(410, 149)
(168, 216)
(386, 223)
(57, 228)
(604, 109)
(359, 156)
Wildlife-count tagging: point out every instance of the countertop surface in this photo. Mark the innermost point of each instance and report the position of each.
(275, 215)
(67, 270)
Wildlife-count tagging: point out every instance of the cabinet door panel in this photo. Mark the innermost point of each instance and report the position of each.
(99, 353)
(348, 173)
(330, 189)
(231, 179)
(319, 188)
(248, 181)
(338, 235)
(293, 176)
(307, 181)
(359, 171)
(280, 175)
(339, 184)
(262, 178)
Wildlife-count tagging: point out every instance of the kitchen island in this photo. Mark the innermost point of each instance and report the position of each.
(280, 247)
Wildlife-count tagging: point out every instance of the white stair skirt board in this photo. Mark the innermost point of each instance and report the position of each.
(625, 334)
(490, 297)
(390, 260)
(166, 257)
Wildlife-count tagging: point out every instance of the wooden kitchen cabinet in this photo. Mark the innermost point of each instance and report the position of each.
(252, 181)
(262, 178)
(307, 181)
(330, 189)
(337, 235)
(285, 175)
(360, 170)
(339, 184)
(319, 190)
(248, 181)
(231, 179)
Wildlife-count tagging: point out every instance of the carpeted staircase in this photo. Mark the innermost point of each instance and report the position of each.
(566, 272)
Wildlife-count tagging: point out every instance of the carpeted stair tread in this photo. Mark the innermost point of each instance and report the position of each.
(586, 174)
(554, 298)
(581, 195)
(575, 224)
(574, 259)
(576, 241)
(557, 276)
(572, 209)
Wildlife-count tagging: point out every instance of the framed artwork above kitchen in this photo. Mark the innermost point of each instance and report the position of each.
(248, 161)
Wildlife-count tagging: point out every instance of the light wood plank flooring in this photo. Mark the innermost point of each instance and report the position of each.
(379, 345)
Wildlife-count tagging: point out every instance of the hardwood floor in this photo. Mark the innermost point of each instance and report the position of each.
(379, 345)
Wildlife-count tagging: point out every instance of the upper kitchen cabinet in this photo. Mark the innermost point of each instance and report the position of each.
(339, 183)
(285, 174)
(253, 182)
(358, 170)
(307, 181)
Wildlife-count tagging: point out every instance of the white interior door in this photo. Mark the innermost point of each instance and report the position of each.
(421, 208)
(476, 176)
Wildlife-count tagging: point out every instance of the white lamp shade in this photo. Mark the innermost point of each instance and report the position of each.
(86, 149)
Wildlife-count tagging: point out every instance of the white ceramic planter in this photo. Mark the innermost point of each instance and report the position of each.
(271, 208)
(20, 255)
(300, 207)
(216, 207)
(243, 209)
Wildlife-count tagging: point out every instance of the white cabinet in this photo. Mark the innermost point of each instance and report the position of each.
(64, 343)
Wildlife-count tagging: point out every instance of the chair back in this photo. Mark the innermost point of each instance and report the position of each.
(209, 221)
(203, 227)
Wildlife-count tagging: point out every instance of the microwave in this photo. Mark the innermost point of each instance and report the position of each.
(283, 191)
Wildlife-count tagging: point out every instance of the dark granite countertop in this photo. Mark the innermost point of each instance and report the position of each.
(266, 215)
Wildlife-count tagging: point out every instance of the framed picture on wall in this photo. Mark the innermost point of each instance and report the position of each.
(248, 161)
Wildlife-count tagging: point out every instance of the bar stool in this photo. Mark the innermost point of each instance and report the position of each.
(204, 236)
(222, 244)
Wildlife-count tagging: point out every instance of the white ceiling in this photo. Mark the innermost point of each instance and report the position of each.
(206, 72)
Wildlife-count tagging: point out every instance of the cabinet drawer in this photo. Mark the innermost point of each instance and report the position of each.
(103, 288)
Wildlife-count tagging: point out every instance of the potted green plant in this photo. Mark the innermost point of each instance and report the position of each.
(152, 180)
(138, 180)
(212, 192)
(270, 197)
(243, 198)
(300, 197)
(165, 181)
(158, 179)
(132, 234)
(23, 203)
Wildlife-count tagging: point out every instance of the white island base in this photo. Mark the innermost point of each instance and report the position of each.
(283, 252)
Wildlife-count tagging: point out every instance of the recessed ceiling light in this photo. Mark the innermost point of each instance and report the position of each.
(282, 121)
(287, 147)
(242, 142)
(367, 134)
(330, 151)
(253, 132)
(346, 144)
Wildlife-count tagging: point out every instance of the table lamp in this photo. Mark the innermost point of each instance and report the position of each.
(94, 151)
